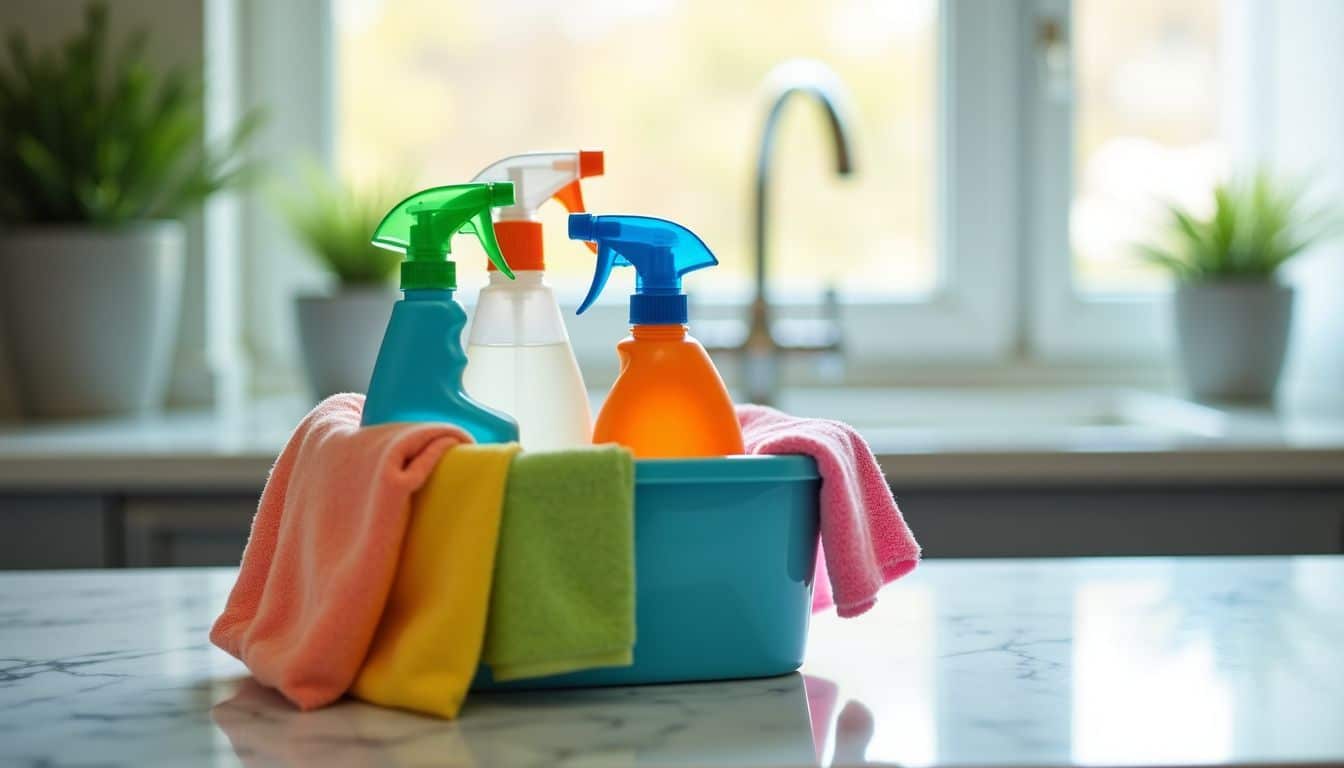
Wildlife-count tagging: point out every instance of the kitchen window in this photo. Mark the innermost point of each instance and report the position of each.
(1007, 155)
(670, 91)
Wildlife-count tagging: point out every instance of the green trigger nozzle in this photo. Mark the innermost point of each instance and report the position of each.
(422, 227)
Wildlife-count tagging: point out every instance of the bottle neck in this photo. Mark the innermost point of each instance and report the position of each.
(428, 294)
(657, 308)
(658, 332)
(523, 278)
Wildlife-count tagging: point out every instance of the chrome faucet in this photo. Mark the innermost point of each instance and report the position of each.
(765, 343)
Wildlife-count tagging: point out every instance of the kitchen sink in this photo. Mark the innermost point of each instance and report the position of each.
(983, 418)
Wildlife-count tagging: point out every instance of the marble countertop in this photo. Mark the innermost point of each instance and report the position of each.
(921, 436)
(1186, 661)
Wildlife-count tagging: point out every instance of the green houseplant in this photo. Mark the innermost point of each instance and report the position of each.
(340, 330)
(99, 156)
(1232, 312)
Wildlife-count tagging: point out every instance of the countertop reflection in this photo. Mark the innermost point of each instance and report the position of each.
(1015, 662)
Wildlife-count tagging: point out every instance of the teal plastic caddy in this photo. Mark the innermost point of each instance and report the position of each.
(724, 556)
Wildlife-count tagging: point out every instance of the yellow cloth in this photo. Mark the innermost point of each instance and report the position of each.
(428, 643)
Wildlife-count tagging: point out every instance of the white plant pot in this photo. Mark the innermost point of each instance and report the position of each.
(340, 335)
(1232, 336)
(91, 316)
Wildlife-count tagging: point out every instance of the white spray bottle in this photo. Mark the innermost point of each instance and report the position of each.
(519, 359)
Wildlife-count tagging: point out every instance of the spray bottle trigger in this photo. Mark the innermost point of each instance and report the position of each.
(484, 229)
(607, 257)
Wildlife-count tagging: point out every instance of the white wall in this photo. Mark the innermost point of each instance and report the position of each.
(176, 39)
(1307, 135)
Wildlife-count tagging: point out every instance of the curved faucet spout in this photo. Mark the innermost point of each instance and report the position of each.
(791, 77)
(761, 350)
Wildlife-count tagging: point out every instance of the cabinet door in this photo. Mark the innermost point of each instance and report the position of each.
(56, 531)
(175, 531)
(1083, 522)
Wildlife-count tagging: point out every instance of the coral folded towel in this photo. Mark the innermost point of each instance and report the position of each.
(865, 542)
(564, 592)
(428, 644)
(324, 548)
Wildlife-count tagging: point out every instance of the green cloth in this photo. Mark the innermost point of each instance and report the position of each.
(563, 597)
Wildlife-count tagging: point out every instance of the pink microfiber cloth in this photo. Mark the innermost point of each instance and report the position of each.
(324, 548)
(865, 542)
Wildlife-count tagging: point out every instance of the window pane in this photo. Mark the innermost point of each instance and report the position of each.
(433, 91)
(1146, 130)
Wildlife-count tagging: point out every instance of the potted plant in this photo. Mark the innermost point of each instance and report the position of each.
(99, 156)
(340, 330)
(1233, 314)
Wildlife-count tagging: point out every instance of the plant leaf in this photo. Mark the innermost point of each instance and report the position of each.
(93, 133)
(335, 221)
(1258, 223)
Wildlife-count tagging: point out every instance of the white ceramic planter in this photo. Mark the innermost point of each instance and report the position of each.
(91, 316)
(339, 336)
(1232, 337)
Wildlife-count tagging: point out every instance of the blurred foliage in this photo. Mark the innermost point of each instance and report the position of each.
(1258, 223)
(335, 220)
(95, 136)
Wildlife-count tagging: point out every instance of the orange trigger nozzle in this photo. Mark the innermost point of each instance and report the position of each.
(592, 162)
(571, 196)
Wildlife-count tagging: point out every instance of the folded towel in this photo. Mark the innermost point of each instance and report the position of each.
(865, 542)
(428, 644)
(324, 548)
(564, 592)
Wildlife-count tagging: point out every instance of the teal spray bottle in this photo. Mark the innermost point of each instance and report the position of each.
(418, 375)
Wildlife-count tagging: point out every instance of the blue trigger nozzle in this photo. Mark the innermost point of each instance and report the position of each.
(581, 226)
(661, 251)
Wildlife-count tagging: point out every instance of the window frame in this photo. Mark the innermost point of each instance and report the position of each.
(1067, 325)
(286, 71)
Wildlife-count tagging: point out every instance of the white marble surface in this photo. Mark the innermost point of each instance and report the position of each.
(1063, 662)
(930, 437)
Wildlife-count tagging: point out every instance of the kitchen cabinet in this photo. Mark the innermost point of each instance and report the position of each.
(178, 529)
(58, 531)
(135, 531)
(1129, 520)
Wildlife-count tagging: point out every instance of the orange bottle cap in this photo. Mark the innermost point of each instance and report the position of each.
(520, 242)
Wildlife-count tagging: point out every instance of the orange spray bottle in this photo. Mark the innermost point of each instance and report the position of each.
(669, 400)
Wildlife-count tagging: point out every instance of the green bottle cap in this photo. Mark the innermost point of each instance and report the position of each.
(422, 227)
